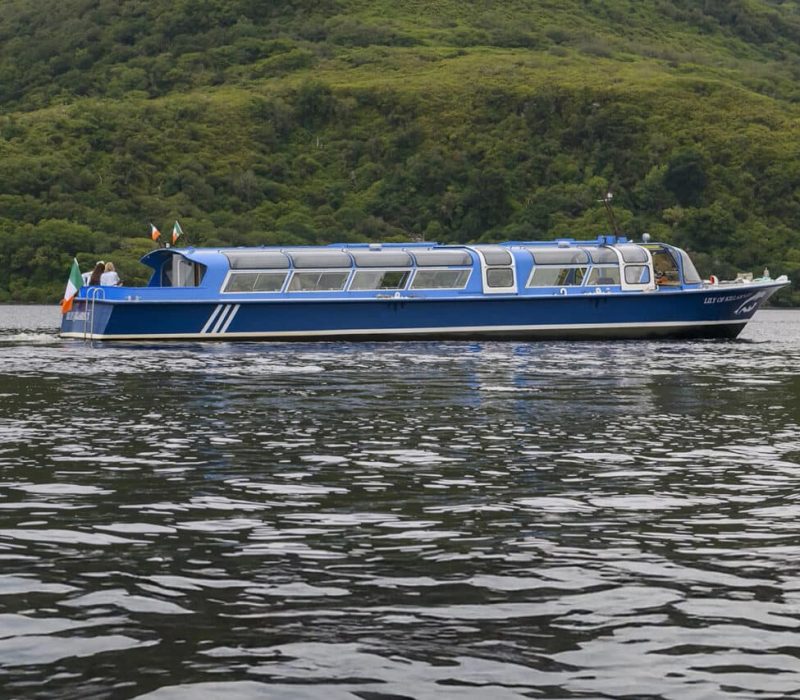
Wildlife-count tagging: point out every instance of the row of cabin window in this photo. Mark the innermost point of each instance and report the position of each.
(331, 281)
(368, 280)
(598, 276)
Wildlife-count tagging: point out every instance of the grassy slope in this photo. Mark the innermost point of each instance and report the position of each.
(357, 119)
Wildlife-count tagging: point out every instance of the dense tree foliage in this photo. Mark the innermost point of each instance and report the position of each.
(340, 120)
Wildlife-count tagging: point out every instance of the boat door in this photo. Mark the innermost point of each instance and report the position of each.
(497, 269)
(636, 265)
(185, 273)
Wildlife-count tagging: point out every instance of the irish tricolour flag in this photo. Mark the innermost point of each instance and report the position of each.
(74, 283)
(177, 232)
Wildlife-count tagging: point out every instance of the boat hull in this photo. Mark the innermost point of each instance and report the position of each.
(714, 312)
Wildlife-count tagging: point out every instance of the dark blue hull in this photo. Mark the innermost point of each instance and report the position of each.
(714, 312)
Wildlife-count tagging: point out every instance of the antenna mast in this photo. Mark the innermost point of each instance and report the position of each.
(610, 213)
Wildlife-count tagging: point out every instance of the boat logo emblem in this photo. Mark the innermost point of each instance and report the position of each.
(750, 304)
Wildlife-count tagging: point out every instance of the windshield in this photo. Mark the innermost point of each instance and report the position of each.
(690, 274)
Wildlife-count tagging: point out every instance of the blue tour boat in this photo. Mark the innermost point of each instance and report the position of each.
(606, 288)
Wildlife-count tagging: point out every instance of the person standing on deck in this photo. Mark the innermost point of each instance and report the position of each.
(94, 278)
(110, 278)
(86, 276)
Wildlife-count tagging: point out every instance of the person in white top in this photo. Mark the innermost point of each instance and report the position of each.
(110, 278)
(86, 276)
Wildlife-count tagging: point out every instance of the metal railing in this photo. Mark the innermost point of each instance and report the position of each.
(88, 319)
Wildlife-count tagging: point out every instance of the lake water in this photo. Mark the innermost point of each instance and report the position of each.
(399, 520)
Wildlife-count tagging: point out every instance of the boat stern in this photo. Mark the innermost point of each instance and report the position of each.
(85, 319)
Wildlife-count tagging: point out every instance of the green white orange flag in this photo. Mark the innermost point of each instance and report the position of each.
(74, 283)
(177, 232)
(155, 234)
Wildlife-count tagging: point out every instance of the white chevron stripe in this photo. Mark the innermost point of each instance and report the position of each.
(226, 310)
(230, 318)
(211, 318)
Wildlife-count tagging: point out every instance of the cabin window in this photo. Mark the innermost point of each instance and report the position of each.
(558, 256)
(603, 255)
(603, 275)
(637, 274)
(256, 259)
(255, 282)
(553, 276)
(500, 277)
(690, 274)
(319, 258)
(381, 258)
(440, 279)
(665, 267)
(379, 279)
(318, 281)
(495, 255)
(633, 253)
(439, 257)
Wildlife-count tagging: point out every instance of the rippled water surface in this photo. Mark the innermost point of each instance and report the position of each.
(399, 520)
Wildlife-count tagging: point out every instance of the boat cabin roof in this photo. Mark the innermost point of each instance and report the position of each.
(512, 266)
(401, 255)
(317, 257)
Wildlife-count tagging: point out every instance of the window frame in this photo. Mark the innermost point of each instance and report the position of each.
(234, 273)
(425, 270)
(689, 273)
(529, 283)
(372, 271)
(322, 271)
(495, 269)
(601, 268)
(640, 267)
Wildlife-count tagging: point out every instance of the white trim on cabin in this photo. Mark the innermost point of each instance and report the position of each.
(485, 267)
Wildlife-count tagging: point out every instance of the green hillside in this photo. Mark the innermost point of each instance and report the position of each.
(260, 122)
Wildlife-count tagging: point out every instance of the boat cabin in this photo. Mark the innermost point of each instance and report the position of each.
(565, 267)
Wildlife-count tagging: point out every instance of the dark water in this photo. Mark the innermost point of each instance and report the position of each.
(400, 520)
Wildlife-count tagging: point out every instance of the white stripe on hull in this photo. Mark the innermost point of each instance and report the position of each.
(230, 318)
(211, 319)
(221, 319)
(387, 332)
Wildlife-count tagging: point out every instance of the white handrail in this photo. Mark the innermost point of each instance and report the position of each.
(88, 319)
